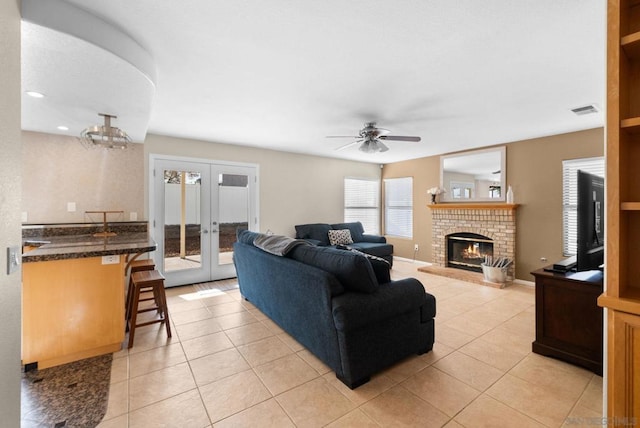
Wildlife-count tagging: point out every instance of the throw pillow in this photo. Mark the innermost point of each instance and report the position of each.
(340, 237)
(355, 228)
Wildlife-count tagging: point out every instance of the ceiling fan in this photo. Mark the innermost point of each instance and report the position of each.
(371, 138)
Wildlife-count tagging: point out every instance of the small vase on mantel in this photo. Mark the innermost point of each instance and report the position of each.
(433, 199)
(509, 195)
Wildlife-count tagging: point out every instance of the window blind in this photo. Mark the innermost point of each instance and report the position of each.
(570, 198)
(398, 213)
(362, 203)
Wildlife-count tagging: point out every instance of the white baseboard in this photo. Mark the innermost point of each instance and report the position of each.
(523, 282)
(417, 262)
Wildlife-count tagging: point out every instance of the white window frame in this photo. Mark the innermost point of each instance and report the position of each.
(398, 209)
(596, 166)
(363, 207)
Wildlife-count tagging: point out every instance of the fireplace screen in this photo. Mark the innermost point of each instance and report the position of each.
(468, 251)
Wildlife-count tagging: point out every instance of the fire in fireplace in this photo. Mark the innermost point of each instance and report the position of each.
(468, 251)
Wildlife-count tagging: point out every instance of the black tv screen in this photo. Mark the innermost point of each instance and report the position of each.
(590, 252)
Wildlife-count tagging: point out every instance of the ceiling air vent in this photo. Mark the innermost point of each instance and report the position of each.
(585, 110)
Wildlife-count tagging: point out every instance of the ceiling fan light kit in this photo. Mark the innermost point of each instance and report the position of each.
(373, 146)
(105, 136)
(371, 138)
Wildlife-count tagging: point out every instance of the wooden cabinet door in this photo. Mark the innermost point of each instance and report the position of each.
(71, 309)
(624, 366)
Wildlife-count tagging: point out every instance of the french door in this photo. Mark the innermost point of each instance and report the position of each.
(196, 208)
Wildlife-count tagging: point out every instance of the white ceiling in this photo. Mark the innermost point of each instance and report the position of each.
(284, 74)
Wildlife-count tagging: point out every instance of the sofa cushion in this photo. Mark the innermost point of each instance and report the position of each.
(374, 238)
(355, 228)
(352, 312)
(375, 249)
(352, 270)
(317, 231)
(381, 267)
(340, 237)
(246, 236)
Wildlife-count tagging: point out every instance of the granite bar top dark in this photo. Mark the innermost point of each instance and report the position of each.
(43, 231)
(80, 246)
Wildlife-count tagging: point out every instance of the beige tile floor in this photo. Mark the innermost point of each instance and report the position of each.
(227, 365)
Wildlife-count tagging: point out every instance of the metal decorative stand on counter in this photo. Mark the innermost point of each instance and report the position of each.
(105, 231)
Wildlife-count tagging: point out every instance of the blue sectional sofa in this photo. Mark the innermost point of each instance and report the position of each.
(331, 302)
(318, 234)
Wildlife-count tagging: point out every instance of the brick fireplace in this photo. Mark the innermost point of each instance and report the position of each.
(468, 250)
(495, 221)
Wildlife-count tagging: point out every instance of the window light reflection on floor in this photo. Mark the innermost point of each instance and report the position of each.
(202, 294)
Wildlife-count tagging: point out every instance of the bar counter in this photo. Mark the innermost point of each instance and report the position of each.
(81, 246)
(73, 289)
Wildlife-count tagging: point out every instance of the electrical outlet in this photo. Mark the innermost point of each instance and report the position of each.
(14, 257)
(110, 260)
(71, 207)
(416, 248)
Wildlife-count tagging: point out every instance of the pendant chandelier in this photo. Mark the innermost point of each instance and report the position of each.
(105, 136)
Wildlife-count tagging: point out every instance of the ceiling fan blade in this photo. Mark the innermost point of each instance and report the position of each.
(342, 136)
(399, 138)
(371, 138)
(346, 146)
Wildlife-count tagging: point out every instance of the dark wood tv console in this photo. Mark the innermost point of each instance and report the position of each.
(568, 319)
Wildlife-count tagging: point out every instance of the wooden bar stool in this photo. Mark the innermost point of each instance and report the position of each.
(136, 266)
(143, 280)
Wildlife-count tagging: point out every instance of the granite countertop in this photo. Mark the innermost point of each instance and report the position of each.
(80, 246)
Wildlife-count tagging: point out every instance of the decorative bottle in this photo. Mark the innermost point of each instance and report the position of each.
(509, 195)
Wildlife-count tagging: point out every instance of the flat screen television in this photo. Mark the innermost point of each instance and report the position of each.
(590, 251)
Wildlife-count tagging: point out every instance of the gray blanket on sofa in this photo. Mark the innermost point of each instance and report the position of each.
(277, 244)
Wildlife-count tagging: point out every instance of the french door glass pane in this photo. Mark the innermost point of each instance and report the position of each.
(182, 223)
(233, 205)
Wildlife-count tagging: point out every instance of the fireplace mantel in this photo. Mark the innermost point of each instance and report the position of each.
(473, 206)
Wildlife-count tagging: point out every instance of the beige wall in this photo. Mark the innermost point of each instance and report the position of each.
(534, 170)
(59, 169)
(294, 188)
(10, 176)
(426, 174)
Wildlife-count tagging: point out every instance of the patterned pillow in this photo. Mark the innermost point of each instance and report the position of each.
(340, 237)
